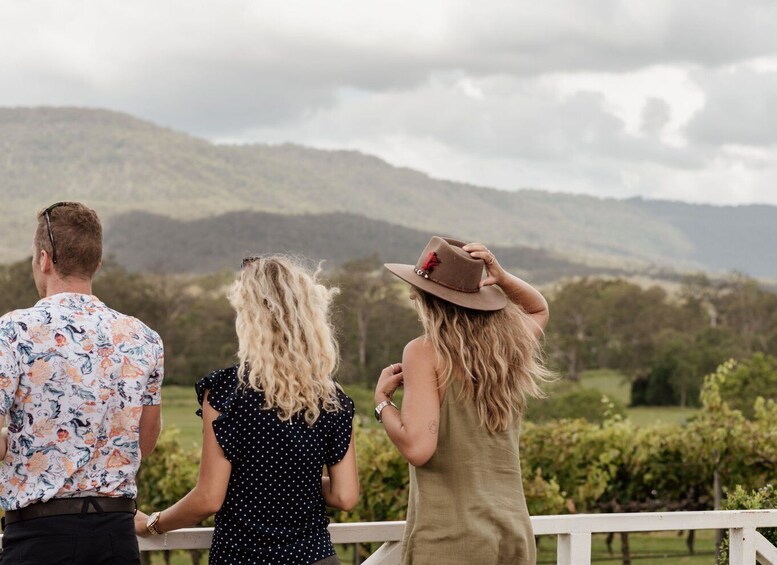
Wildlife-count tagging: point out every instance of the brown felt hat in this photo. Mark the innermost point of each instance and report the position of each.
(448, 272)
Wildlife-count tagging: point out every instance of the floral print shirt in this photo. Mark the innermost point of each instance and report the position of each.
(74, 378)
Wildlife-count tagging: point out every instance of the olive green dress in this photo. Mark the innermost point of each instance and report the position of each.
(466, 504)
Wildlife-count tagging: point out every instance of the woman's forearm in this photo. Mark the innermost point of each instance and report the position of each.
(331, 499)
(522, 293)
(187, 512)
(416, 445)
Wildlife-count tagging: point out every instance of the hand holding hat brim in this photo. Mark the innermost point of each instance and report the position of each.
(447, 271)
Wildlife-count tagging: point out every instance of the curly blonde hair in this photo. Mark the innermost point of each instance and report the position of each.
(495, 355)
(287, 348)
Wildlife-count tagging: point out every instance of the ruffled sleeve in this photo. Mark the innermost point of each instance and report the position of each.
(222, 387)
(339, 432)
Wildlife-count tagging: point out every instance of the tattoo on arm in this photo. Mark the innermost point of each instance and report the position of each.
(433, 427)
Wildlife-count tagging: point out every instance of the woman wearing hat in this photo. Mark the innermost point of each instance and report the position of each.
(465, 384)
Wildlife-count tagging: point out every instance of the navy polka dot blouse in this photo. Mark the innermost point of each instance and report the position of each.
(274, 512)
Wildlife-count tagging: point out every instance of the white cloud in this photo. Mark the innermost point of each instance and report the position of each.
(627, 94)
(739, 109)
(608, 97)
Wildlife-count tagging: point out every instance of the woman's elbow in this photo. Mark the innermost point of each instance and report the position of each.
(344, 501)
(418, 456)
(213, 506)
(209, 502)
(349, 501)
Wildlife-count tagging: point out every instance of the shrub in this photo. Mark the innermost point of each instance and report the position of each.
(747, 380)
(164, 477)
(543, 497)
(167, 474)
(384, 478)
(740, 499)
(575, 402)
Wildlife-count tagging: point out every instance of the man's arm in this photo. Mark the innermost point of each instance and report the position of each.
(150, 426)
(151, 417)
(3, 438)
(9, 382)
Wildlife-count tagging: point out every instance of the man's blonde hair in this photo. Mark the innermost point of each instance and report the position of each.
(287, 347)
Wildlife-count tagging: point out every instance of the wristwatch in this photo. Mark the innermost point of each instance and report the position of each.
(151, 523)
(379, 408)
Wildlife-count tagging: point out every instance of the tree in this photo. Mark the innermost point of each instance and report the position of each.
(748, 380)
(574, 402)
(677, 370)
(374, 320)
(633, 319)
(575, 332)
(750, 312)
(17, 287)
(607, 323)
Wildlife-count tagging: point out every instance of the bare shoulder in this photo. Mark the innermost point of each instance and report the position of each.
(419, 360)
(420, 349)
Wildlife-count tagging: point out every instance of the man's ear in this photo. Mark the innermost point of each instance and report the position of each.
(45, 264)
(99, 266)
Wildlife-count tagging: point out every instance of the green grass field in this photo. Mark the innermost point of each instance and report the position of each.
(667, 548)
(611, 383)
(179, 405)
(617, 387)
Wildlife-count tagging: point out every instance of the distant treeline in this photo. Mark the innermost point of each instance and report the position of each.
(148, 242)
(664, 343)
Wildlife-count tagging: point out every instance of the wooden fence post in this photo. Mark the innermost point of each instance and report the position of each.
(574, 549)
(741, 546)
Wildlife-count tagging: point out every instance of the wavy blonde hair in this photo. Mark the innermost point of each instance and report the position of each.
(287, 348)
(495, 355)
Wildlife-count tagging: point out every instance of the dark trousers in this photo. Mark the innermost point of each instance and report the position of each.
(91, 539)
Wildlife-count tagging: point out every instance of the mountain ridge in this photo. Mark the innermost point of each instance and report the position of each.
(119, 164)
(142, 241)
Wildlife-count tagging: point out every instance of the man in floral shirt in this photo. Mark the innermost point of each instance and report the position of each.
(80, 395)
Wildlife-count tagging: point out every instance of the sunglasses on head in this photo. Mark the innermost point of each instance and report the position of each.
(47, 215)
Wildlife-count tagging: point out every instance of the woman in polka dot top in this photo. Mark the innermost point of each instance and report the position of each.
(270, 425)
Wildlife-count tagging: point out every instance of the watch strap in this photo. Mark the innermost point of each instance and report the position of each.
(151, 523)
(379, 409)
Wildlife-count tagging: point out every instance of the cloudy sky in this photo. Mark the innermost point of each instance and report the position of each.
(661, 98)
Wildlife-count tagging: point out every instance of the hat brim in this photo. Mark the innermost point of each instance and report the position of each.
(488, 298)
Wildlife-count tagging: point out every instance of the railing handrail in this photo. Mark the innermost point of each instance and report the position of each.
(366, 532)
(653, 521)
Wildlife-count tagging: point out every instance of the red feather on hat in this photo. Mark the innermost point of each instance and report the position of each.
(431, 262)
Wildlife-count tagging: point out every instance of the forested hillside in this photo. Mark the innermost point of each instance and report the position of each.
(150, 242)
(119, 164)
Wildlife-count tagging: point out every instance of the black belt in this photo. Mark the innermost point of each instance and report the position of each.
(68, 506)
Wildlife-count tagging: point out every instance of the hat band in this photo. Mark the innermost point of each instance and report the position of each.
(424, 274)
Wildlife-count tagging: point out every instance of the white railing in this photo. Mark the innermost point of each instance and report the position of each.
(746, 546)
